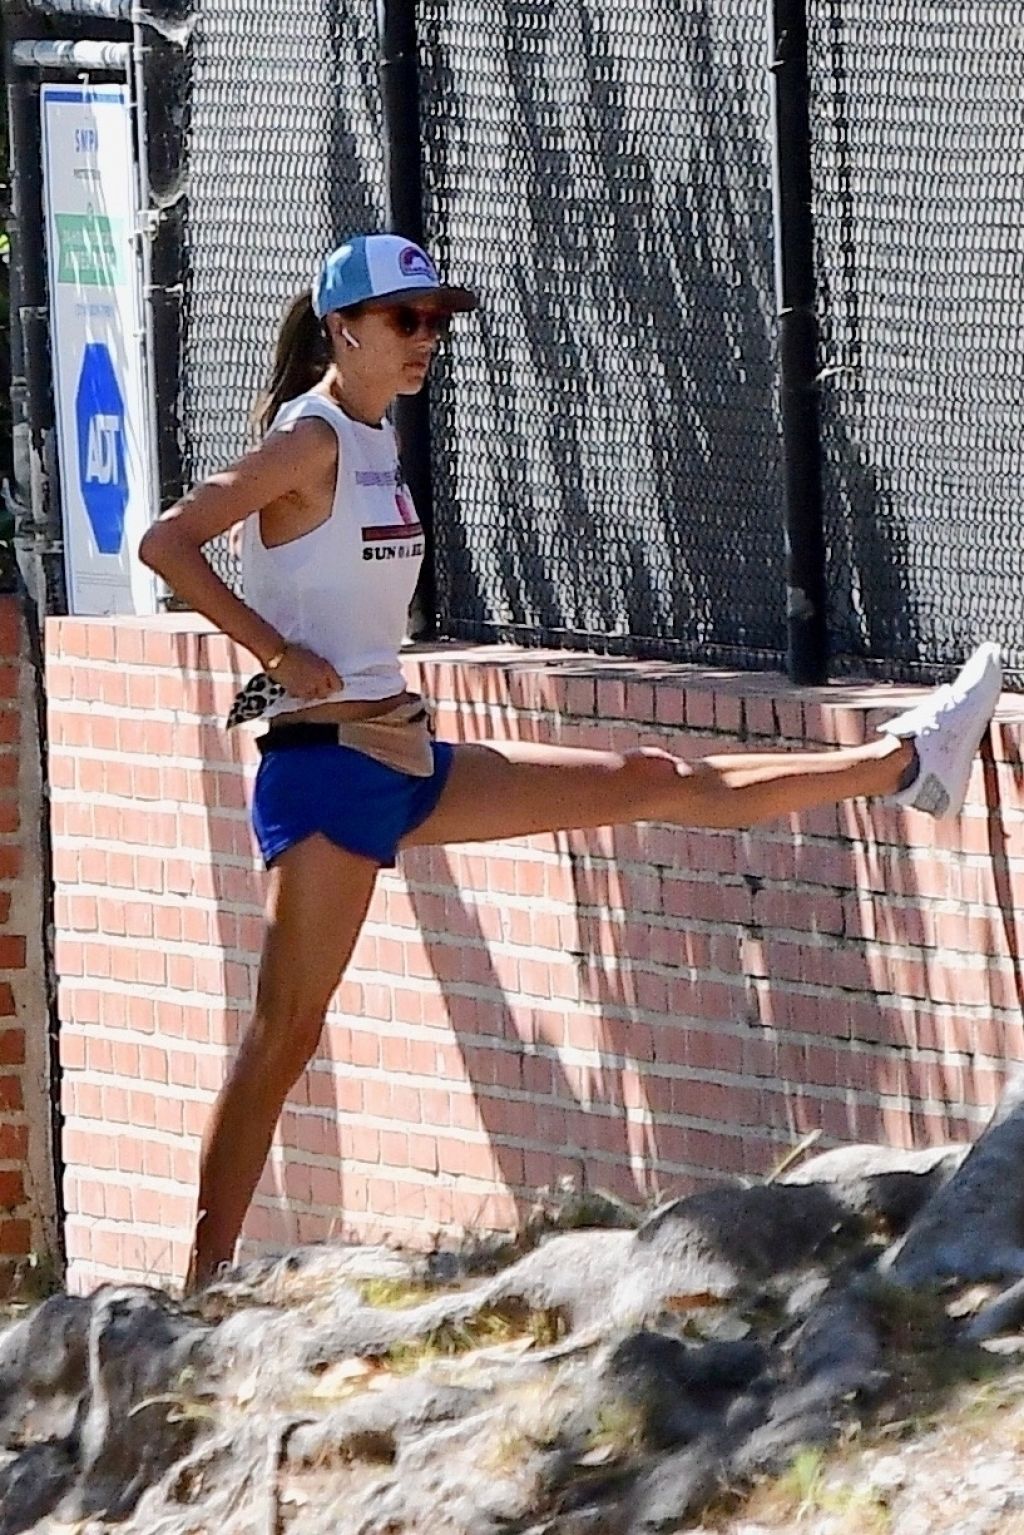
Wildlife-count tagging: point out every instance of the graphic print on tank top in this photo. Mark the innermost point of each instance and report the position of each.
(395, 540)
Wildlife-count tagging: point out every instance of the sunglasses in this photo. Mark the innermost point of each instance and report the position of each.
(408, 322)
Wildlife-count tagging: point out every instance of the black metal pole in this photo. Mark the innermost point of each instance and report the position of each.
(806, 613)
(400, 93)
(34, 489)
(31, 410)
(165, 69)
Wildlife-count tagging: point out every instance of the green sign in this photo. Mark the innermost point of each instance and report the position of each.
(92, 250)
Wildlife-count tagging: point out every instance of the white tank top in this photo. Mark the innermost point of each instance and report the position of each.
(343, 590)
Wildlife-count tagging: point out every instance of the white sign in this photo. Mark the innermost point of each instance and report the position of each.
(98, 346)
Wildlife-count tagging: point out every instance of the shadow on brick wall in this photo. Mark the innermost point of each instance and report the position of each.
(668, 1006)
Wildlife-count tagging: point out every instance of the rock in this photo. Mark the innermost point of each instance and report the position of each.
(973, 1227)
(678, 1391)
(1004, 1313)
(33, 1483)
(678, 1485)
(881, 1182)
(608, 1382)
(305, 1276)
(994, 1475)
(93, 1382)
(567, 1207)
(887, 1475)
(134, 1427)
(44, 1370)
(831, 1358)
(853, 1164)
(374, 1426)
(720, 1239)
(574, 1275)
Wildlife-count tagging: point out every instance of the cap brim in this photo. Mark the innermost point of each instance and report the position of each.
(451, 300)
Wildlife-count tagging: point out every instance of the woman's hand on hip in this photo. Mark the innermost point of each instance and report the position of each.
(306, 675)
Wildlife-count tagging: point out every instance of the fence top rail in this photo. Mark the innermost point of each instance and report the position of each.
(100, 10)
(70, 56)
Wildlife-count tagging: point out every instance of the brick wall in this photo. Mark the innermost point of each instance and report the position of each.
(27, 1191)
(643, 1008)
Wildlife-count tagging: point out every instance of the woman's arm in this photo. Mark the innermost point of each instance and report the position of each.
(285, 464)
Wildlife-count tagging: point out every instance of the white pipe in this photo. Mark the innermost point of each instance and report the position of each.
(73, 56)
(98, 10)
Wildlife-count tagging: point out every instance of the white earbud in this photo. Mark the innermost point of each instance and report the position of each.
(347, 334)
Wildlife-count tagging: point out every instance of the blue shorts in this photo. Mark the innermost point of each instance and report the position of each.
(353, 800)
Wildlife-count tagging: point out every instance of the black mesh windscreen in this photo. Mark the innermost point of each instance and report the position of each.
(284, 158)
(605, 446)
(605, 433)
(918, 123)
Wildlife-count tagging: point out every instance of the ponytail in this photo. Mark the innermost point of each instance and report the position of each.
(301, 358)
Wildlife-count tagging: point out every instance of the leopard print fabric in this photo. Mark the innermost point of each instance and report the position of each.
(254, 699)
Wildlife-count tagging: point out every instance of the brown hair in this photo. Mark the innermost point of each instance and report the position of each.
(301, 358)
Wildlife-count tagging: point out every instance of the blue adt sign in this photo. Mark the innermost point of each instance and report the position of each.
(99, 414)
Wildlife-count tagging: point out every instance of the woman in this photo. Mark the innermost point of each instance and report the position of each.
(349, 775)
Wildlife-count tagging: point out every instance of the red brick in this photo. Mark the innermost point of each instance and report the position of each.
(15, 1237)
(115, 1105)
(129, 644)
(100, 644)
(12, 952)
(117, 1202)
(13, 1142)
(175, 1116)
(131, 1153)
(12, 1047)
(140, 1014)
(11, 1098)
(151, 965)
(89, 1148)
(85, 1099)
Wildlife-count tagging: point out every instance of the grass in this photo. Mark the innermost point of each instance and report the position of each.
(977, 1408)
(534, 1418)
(810, 1489)
(619, 1430)
(487, 1328)
(394, 1294)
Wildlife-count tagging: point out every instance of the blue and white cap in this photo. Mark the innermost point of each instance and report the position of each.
(369, 268)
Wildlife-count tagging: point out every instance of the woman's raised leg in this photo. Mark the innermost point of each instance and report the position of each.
(510, 789)
(316, 905)
(515, 789)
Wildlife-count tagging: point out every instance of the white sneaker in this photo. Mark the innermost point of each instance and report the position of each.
(947, 729)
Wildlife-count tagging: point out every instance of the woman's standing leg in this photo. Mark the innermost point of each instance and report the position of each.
(317, 903)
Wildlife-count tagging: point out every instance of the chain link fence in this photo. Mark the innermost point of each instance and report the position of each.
(285, 156)
(605, 431)
(919, 210)
(607, 466)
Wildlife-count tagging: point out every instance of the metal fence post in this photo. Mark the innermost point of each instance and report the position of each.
(399, 83)
(164, 89)
(806, 614)
(33, 492)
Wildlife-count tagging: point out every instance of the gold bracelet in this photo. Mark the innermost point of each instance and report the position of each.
(276, 659)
